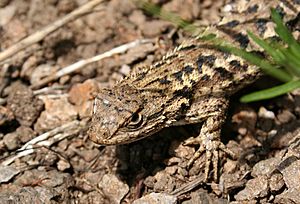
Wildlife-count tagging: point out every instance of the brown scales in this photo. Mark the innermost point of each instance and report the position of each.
(190, 85)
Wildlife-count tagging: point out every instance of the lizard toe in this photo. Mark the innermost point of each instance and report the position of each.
(211, 149)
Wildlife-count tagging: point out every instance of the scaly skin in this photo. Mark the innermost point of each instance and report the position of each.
(190, 85)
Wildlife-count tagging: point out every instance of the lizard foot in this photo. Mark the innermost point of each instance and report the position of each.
(210, 144)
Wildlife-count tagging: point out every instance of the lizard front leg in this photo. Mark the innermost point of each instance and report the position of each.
(209, 137)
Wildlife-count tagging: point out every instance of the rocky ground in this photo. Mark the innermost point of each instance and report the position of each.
(46, 156)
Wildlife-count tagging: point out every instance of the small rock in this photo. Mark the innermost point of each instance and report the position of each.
(171, 170)
(264, 113)
(266, 119)
(180, 150)
(57, 111)
(235, 148)
(276, 182)
(24, 195)
(5, 115)
(89, 154)
(92, 179)
(154, 28)
(7, 173)
(62, 165)
(63, 144)
(115, 77)
(66, 6)
(15, 29)
(48, 159)
(25, 106)
(230, 166)
(11, 141)
(285, 116)
(164, 182)
(6, 14)
(242, 131)
(186, 10)
(42, 186)
(202, 197)
(290, 169)
(137, 17)
(81, 94)
(25, 133)
(255, 188)
(149, 181)
(125, 70)
(231, 181)
(113, 188)
(246, 120)
(289, 196)
(294, 145)
(156, 198)
(92, 196)
(64, 180)
(41, 72)
(265, 167)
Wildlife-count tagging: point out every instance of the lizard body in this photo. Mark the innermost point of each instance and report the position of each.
(190, 85)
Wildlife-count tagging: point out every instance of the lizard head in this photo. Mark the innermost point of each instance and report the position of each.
(120, 116)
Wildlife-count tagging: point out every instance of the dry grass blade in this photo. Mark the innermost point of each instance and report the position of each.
(39, 35)
(82, 63)
(47, 139)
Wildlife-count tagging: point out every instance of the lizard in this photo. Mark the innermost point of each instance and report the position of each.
(190, 85)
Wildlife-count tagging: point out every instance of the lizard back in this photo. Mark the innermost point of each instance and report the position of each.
(154, 97)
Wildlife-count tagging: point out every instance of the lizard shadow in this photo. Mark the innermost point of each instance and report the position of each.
(148, 156)
(151, 155)
(284, 131)
(145, 157)
(271, 144)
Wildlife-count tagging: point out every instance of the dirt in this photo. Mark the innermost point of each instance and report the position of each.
(64, 166)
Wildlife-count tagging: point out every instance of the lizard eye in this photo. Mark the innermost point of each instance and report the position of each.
(136, 120)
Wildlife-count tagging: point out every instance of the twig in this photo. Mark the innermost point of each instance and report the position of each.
(47, 139)
(39, 35)
(82, 63)
(188, 186)
(49, 90)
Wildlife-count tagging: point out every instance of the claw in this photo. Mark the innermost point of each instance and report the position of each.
(212, 157)
(196, 155)
(209, 141)
(209, 138)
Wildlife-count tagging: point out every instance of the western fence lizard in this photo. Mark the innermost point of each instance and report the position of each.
(190, 85)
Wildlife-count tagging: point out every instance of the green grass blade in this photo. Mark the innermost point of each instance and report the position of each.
(293, 61)
(271, 92)
(282, 56)
(282, 30)
(291, 55)
(168, 16)
(275, 53)
(295, 50)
